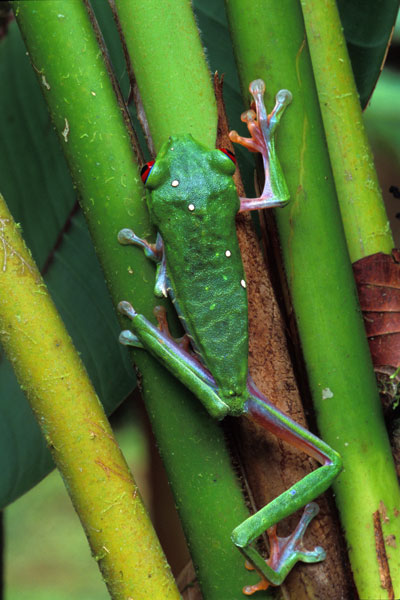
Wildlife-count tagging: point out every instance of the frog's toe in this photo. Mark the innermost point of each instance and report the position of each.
(127, 338)
(127, 309)
(263, 584)
(285, 552)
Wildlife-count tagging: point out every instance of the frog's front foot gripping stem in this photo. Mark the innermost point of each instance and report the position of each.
(285, 552)
(154, 252)
(262, 128)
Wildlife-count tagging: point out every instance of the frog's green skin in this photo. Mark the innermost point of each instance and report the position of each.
(192, 202)
(206, 272)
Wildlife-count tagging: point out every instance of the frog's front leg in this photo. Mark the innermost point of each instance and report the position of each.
(262, 129)
(127, 237)
(154, 252)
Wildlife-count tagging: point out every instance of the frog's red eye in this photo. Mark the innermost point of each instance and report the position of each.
(146, 169)
(229, 153)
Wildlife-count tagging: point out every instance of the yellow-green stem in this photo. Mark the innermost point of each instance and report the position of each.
(366, 225)
(72, 419)
(270, 43)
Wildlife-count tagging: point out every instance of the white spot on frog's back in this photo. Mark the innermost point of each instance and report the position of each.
(228, 253)
(327, 393)
(243, 283)
(191, 207)
(175, 183)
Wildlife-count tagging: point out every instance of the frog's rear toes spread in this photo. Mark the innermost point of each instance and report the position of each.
(285, 552)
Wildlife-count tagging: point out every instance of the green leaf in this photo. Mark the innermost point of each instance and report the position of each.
(36, 183)
(367, 27)
(382, 117)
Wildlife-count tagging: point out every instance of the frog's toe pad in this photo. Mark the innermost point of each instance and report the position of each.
(127, 338)
(127, 309)
(310, 556)
(263, 584)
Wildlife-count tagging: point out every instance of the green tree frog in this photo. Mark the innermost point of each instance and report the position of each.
(192, 201)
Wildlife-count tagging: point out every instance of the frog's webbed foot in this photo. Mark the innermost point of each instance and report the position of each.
(262, 129)
(127, 338)
(285, 552)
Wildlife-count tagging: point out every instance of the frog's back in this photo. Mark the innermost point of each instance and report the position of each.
(193, 205)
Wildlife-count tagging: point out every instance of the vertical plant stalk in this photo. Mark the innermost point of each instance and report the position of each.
(270, 43)
(176, 65)
(271, 467)
(76, 429)
(178, 98)
(365, 222)
(85, 113)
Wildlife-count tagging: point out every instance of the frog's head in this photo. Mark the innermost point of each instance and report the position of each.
(184, 154)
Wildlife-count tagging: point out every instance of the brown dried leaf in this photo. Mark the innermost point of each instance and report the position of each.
(378, 283)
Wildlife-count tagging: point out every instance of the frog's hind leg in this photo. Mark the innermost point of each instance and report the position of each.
(285, 552)
(161, 315)
(187, 368)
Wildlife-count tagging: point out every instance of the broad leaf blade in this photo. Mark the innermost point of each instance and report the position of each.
(367, 27)
(36, 184)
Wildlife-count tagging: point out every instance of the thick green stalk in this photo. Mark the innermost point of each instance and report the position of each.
(363, 212)
(187, 106)
(77, 431)
(175, 68)
(270, 43)
(97, 148)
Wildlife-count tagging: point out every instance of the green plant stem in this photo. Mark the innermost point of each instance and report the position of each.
(77, 431)
(269, 42)
(98, 151)
(365, 222)
(175, 67)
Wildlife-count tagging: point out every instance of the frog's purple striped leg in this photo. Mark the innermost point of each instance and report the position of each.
(285, 552)
(176, 359)
(262, 128)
